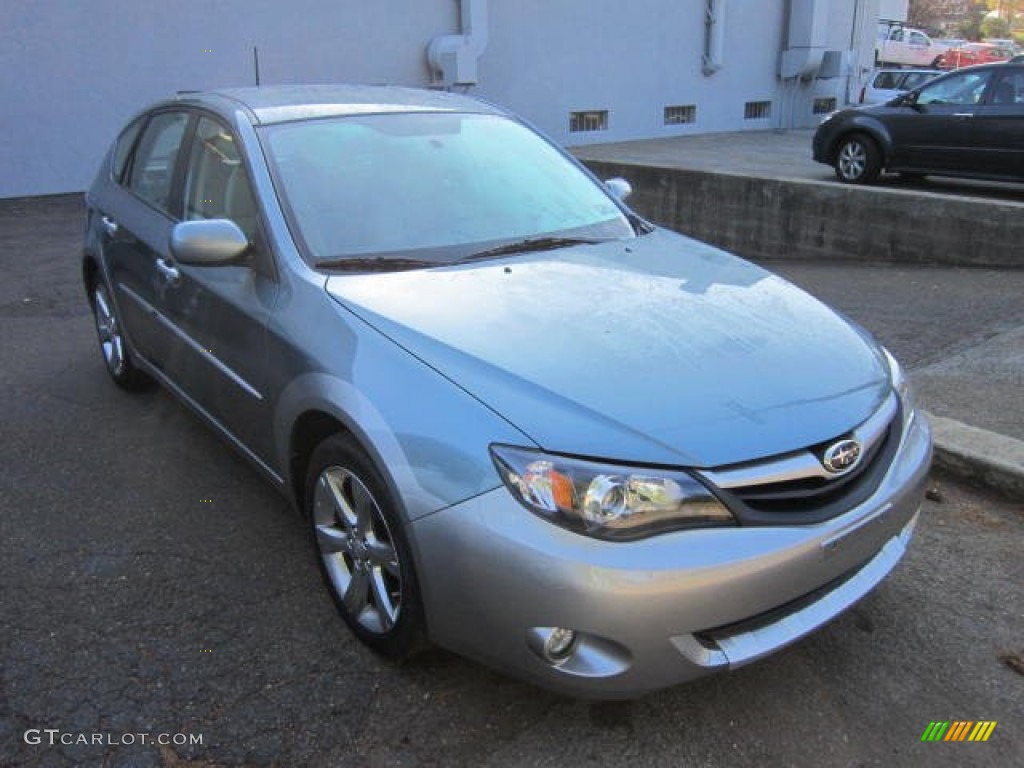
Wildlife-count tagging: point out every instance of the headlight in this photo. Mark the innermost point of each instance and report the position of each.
(900, 383)
(606, 500)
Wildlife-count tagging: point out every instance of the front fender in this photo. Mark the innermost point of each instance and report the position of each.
(429, 440)
(870, 126)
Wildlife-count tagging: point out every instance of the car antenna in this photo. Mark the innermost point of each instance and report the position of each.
(256, 63)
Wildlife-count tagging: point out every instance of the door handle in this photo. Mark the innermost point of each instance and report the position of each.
(109, 225)
(169, 272)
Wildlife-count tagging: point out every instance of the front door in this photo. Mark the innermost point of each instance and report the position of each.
(934, 132)
(220, 313)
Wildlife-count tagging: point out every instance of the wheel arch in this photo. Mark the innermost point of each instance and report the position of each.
(309, 430)
(873, 130)
(90, 272)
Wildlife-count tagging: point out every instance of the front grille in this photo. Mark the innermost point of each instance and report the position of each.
(796, 495)
(764, 495)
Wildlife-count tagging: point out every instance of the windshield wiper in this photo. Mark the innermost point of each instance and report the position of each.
(525, 246)
(374, 264)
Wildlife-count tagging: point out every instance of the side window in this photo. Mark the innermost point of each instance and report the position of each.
(914, 79)
(216, 184)
(963, 88)
(1009, 89)
(153, 168)
(916, 38)
(123, 148)
(885, 80)
(897, 36)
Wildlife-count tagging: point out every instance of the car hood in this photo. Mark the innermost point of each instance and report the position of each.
(659, 349)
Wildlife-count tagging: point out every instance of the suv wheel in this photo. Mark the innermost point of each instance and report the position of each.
(858, 160)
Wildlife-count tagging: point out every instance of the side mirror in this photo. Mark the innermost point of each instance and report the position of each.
(208, 242)
(620, 188)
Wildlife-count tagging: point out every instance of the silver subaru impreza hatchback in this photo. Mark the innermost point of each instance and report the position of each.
(521, 422)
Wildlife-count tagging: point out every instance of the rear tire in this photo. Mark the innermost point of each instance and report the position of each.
(857, 160)
(362, 550)
(113, 346)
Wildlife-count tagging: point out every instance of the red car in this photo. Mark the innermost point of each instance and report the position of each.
(974, 53)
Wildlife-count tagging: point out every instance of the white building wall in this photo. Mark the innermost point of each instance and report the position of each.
(73, 71)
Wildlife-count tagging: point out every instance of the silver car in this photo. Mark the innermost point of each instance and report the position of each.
(521, 422)
(886, 84)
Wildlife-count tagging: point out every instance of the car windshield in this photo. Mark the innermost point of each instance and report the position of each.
(425, 188)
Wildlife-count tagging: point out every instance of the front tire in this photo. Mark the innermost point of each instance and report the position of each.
(362, 551)
(113, 346)
(857, 160)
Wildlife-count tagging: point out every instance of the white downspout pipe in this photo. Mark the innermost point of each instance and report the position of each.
(453, 58)
(714, 37)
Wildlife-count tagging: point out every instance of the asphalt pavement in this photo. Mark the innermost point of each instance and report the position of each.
(155, 588)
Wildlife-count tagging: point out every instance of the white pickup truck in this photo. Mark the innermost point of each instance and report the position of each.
(899, 45)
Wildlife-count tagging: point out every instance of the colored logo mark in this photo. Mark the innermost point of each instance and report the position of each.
(959, 730)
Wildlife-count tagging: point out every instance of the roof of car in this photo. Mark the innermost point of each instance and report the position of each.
(283, 103)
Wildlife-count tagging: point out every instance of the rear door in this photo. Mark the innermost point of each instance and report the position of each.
(136, 229)
(998, 125)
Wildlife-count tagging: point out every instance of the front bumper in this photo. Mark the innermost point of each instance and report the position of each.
(653, 613)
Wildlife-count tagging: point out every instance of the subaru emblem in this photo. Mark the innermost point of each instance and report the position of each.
(841, 457)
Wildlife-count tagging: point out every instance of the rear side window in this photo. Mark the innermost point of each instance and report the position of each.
(886, 80)
(914, 79)
(152, 171)
(123, 149)
(1009, 90)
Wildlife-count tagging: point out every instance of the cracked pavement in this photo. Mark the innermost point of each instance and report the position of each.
(152, 583)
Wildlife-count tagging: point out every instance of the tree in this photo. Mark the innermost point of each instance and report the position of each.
(1007, 10)
(970, 27)
(927, 14)
(994, 26)
(1011, 12)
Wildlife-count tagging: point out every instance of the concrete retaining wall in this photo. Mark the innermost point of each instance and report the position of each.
(773, 218)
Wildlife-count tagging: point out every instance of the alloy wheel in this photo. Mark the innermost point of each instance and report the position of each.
(109, 330)
(357, 550)
(853, 159)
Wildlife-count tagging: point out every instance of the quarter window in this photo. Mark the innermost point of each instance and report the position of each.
(153, 169)
(123, 149)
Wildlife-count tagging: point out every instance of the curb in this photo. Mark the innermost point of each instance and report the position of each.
(994, 460)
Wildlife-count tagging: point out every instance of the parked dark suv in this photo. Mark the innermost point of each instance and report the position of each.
(966, 123)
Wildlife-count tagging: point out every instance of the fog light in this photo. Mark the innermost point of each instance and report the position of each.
(559, 644)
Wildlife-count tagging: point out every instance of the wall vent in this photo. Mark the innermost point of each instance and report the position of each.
(681, 114)
(757, 110)
(589, 121)
(825, 105)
